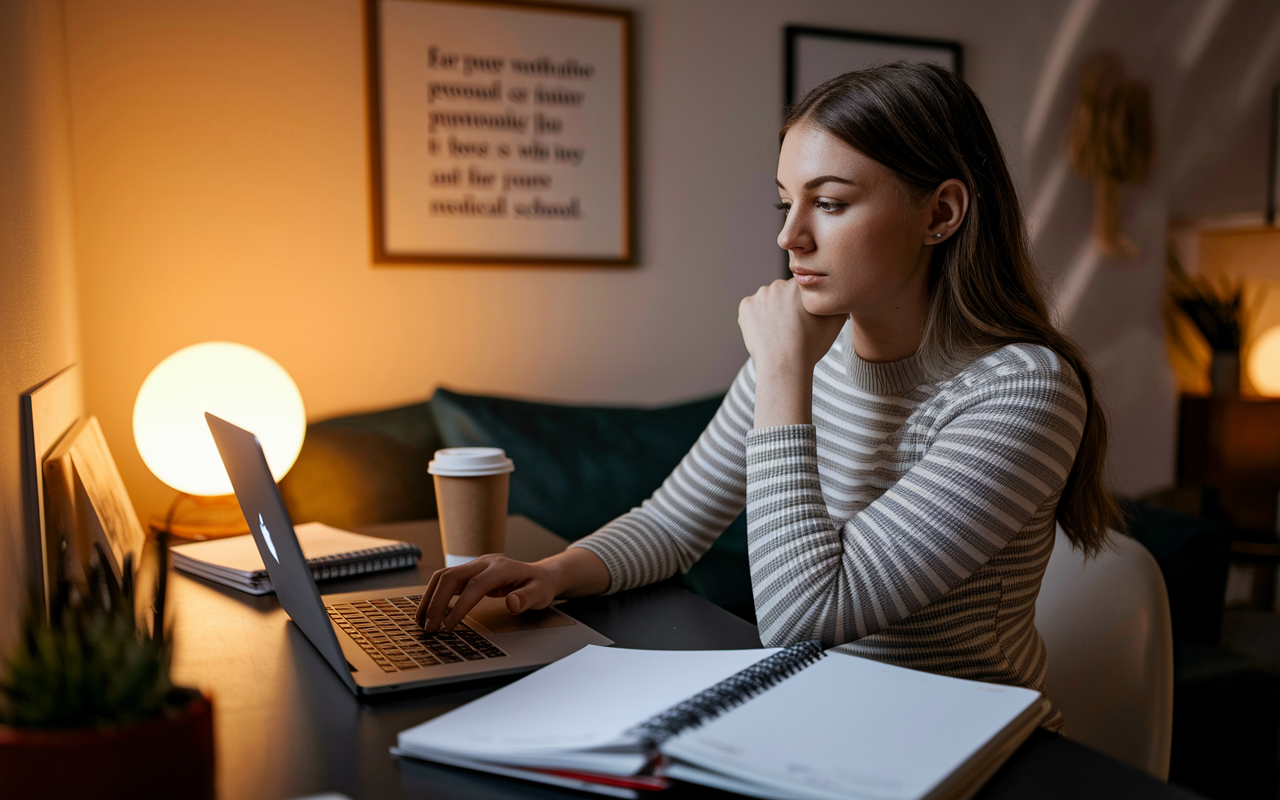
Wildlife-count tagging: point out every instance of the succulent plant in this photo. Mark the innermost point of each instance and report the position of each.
(92, 663)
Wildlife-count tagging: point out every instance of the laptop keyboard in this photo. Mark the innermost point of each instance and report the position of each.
(386, 630)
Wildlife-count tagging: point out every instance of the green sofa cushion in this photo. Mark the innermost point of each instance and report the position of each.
(365, 469)
(413, 426)
(579, 467)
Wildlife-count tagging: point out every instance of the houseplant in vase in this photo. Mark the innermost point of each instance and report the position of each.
(1216, 310)
(86, 705)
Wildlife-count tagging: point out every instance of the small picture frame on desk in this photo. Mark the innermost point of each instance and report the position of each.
(87, 507)
(500, 133)
(49, 411)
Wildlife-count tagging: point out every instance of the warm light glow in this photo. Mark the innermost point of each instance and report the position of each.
(1264, 363)
(232, 381)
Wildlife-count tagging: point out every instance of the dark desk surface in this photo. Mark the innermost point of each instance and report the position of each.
(286, 726)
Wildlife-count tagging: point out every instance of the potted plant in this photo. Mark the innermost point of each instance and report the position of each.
(86, 705)
(1216, 309)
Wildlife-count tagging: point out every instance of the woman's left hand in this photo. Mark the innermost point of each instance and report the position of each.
(780, 333)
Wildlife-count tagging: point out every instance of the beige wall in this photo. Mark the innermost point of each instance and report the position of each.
(222, 193)
(1240, 253)
(38, 325)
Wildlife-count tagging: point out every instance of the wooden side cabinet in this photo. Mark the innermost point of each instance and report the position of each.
(1229, 449)
(1229, 458)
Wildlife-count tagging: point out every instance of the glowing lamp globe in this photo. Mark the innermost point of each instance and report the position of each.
(232, 381)
(1264, 363)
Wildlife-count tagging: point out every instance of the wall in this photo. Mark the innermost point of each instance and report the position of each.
(222, 193)
(38, 318)
(1210, 65)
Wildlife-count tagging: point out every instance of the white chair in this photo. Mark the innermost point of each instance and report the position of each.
(1105, 623)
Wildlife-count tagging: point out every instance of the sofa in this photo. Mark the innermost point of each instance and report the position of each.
(578, 467)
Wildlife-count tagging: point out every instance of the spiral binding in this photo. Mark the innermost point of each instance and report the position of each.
(354, 562)
(358, 562)
(728, 693)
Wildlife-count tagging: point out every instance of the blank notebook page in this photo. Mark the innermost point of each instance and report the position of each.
(850, 727)
(588, 699)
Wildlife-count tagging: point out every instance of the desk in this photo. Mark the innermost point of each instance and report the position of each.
(287, 726)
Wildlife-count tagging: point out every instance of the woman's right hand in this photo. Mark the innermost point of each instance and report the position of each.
(574, 572)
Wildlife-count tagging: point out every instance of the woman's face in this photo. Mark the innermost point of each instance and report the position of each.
(856, 241)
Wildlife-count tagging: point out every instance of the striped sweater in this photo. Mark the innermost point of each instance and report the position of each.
(910, 523)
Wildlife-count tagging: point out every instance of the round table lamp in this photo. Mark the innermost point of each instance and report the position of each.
(1264, 363)
(232, 381)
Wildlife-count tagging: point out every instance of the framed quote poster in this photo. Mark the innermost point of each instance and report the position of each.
(500, 132)
(814, 55)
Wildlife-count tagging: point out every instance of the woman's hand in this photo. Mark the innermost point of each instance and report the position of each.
(573, 573)
(778, 330)
(786, 342)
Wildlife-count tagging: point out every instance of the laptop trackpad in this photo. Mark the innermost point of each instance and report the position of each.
(492, 615)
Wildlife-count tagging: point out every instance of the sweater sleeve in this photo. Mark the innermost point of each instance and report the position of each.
(707, 491)
(1001, 452)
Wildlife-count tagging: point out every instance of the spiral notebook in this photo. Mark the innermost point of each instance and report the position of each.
(787, 724)
(330, 552)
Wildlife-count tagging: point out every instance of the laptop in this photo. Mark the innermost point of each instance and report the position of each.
(370, 638)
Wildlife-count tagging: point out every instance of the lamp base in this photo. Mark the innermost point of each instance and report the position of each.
(198, 518)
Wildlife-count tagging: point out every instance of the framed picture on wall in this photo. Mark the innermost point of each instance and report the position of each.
(499, 132)
(815, 54)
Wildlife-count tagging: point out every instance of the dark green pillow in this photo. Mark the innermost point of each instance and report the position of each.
(578, 467)
(364, 469)
(413, 426)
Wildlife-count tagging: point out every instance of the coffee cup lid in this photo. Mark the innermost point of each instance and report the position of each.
(470, 461)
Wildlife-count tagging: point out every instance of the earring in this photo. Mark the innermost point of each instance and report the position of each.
(937, 236)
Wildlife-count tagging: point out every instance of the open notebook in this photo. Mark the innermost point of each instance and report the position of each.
(330, 553)
(793, 723)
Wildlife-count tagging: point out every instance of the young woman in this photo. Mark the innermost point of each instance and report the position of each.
(910, 424)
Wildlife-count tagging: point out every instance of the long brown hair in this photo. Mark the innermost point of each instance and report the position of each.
(926, 125)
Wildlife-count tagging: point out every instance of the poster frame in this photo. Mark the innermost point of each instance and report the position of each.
(383, 256)
(792, 35)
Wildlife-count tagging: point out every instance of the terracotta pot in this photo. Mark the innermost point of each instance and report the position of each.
(166, 757)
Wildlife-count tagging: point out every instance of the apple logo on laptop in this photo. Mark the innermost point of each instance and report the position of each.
(266, 534)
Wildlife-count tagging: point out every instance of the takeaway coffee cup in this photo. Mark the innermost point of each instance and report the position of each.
(471, 494)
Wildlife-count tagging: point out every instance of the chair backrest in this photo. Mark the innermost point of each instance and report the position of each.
(1105, 623)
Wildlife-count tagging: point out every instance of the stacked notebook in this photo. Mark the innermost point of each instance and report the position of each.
(793, 724)
(330, 552)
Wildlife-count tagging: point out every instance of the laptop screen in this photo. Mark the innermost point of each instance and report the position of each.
(272, 530)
